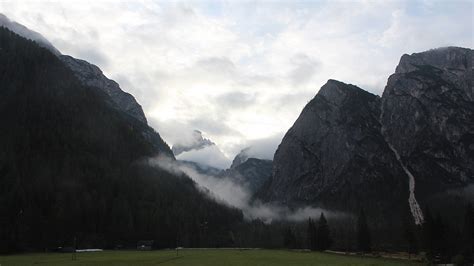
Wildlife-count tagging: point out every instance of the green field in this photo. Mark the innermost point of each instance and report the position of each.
(197, 257)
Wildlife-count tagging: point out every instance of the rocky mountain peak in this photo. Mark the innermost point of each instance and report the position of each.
(446, 58)
(337, 93)
(351, 149)
(427, 116)
(334, 91)
(240, 158)
(335, 148)
(195, 142)
(250, 172)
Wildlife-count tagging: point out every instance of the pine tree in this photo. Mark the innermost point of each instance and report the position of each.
(323, 234)
(289, 239)
(411, 240)
(435, 238)
(441, 247)
(311, 234)
(428, 231)
(363, 233)
(468, 234)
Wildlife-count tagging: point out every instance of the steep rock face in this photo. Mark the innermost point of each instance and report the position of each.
(428, 117)
(252, 173)
(91, 75)
(334, 155)
(413, 147)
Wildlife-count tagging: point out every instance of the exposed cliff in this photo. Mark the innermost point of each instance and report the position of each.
(350, 149)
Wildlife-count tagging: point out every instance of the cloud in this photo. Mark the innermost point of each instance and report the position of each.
(235, 99)
(242, 70)
(210, 155)
(304, 69)
(263, 148)
(225, 190)
(214, 125)
(223, 65)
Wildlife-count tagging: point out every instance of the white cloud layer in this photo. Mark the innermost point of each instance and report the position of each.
(241, 71)
(210, 155)
(225, 190)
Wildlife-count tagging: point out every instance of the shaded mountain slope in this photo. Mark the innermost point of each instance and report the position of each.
(411, 148)
(71, 164)
(335, 157)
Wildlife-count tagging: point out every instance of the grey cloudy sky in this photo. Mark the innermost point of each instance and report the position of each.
(241, 71)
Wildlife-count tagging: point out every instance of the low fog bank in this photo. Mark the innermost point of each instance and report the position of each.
(228, 191)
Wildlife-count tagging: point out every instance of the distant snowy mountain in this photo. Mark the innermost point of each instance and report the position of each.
(198, 149)
(194, 142)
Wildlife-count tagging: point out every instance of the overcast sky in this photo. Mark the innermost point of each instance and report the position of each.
(241, 71)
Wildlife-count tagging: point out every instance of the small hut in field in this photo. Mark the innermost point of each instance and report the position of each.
(145, 244)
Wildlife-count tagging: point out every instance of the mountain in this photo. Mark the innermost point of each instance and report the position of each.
(199, 150)
(75, 165)
(428, 117)
(350, 149)
(88, 74)
(196, 142)
(240, 158)
(201, 168)
(91, 75)
(250, 172)
(336, 157)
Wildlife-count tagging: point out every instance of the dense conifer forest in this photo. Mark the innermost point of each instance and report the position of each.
(71, 166)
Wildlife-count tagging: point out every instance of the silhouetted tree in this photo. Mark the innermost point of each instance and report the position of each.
(468, 234)
(441, 234)
(363, 233)
(311, 234)
(289, 238)
(435, 237)
(411, 239)
(428, 231)
(323, 240)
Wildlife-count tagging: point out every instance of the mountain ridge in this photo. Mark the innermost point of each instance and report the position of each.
(89, 74)
(74, 167)
(346, 128)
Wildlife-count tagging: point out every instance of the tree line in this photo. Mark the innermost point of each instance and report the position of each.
(318, 235)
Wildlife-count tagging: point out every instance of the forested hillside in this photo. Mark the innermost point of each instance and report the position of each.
(72, 166)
